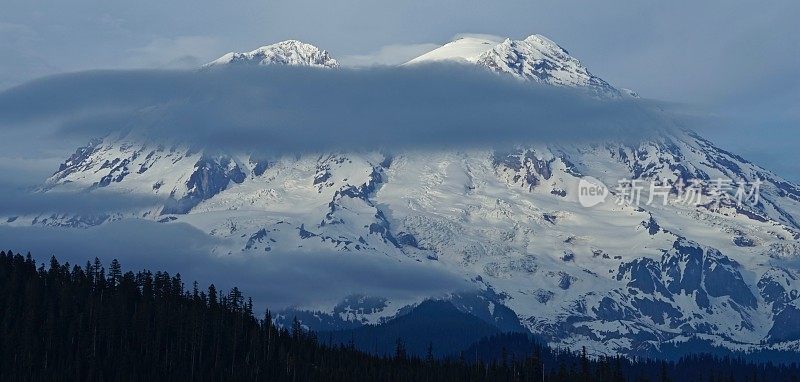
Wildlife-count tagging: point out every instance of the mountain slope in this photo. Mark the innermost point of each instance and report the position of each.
(614, 277)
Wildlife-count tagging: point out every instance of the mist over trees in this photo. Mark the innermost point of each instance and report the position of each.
(68, 322)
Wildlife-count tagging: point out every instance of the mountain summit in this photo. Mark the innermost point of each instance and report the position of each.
(289, 52)
(465, 49)
(536, 58)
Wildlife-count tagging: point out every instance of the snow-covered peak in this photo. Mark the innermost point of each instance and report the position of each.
(290, 52)
(536, 58)
(464, 49)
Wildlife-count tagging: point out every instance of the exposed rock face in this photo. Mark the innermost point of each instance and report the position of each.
(210, 177)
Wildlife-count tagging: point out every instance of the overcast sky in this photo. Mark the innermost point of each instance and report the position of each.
(735, 59)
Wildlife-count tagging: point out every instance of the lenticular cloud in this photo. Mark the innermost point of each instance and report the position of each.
(306, 109)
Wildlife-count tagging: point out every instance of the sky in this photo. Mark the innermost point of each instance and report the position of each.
(735, 60)
(732, 64)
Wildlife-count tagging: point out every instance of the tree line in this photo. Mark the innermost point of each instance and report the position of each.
(68, 322)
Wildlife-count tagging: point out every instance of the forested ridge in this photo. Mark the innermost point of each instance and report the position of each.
(68, 322)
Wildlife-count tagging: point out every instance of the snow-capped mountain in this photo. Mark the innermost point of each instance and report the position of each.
(535, 58)
(615, 277)
(290, 52)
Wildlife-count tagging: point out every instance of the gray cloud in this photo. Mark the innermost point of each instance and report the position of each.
(300, 109)
(393, 54)
(182, 52)
(274, 280)
(26, 172)
(18, 199)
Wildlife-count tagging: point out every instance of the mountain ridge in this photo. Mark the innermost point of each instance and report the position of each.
(289, 52)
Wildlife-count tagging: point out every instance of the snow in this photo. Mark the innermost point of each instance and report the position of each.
(290, 52)
(535, 58)
(465, 49)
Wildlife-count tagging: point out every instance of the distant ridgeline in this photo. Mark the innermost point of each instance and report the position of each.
(63, 322)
